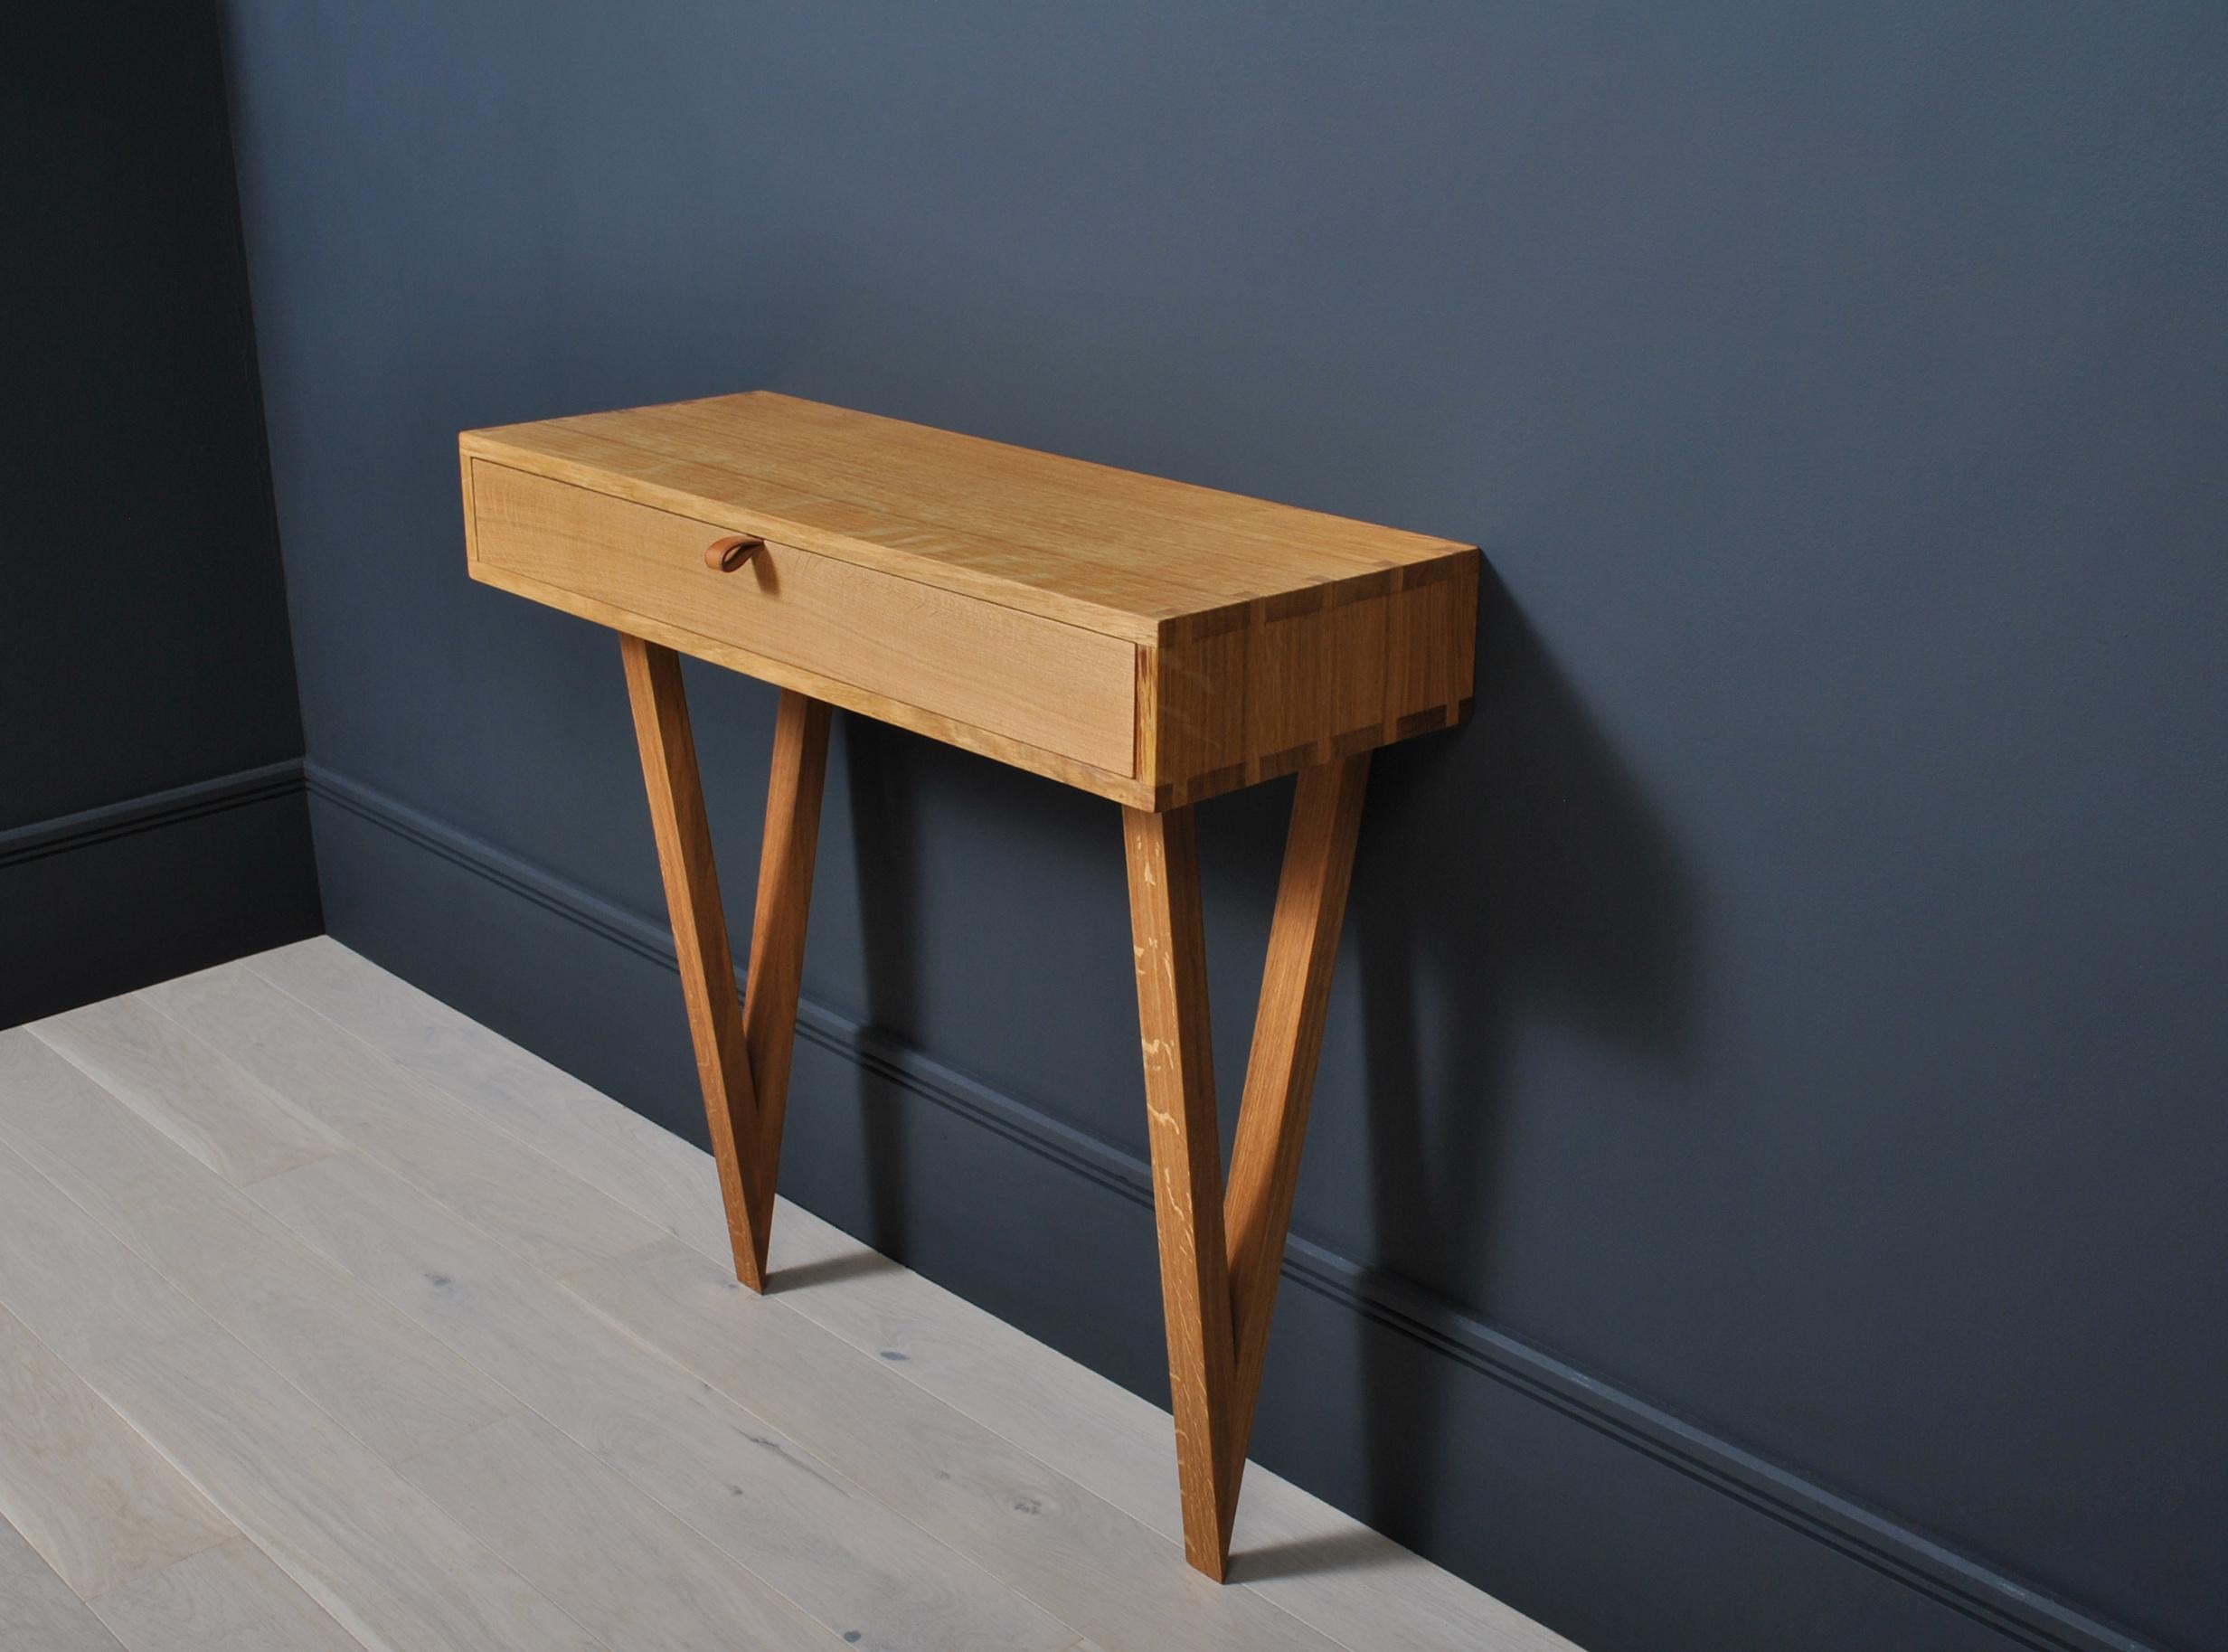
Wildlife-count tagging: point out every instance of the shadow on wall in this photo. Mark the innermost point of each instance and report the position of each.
(885, 859)
(1515, 866)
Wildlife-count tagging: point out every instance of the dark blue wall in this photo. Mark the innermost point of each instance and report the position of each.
(1766, 1181)
(151, 811)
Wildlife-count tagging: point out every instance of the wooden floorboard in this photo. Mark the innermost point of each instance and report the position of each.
(371, 1549)
(83, 1291)
(1327, 1569)
(186, 1089)
(847, 1558)
(95, 1500)
(552, 1218)
(1071, 1551)
(648, 1169)
(604, 1550)
(448, 1346)
(384, 1379)
(37, 1609)
(229, 1598)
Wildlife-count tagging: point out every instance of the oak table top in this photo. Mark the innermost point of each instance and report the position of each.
(1195, 640)
(1147, 640)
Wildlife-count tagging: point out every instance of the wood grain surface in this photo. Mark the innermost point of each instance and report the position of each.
(1147, 640)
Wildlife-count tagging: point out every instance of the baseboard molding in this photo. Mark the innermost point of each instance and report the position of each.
(1980, 1598)
(110, 899)
(88, 828)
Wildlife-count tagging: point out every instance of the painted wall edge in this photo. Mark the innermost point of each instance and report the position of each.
(111, 899)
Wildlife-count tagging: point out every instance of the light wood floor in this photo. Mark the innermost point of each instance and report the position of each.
(328, 1317)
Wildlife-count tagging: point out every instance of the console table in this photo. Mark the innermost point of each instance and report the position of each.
(1149, 641)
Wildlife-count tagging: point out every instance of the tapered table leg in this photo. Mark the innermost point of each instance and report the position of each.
(1220, 1252)
(1187, 1167)
(743, 1053)
(777, 969)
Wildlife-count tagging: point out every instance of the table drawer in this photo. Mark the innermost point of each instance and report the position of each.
(1020, 677)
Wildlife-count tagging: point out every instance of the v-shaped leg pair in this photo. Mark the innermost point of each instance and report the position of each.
(743, 1052)
(1222, 1249)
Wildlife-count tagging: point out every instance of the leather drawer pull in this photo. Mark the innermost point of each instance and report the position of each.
(725, 555)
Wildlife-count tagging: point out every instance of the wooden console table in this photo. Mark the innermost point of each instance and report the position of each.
(1151, 642)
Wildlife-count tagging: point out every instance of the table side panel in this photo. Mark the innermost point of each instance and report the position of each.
(1268, 688)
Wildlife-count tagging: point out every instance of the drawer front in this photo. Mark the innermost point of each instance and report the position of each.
(1021, 676)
